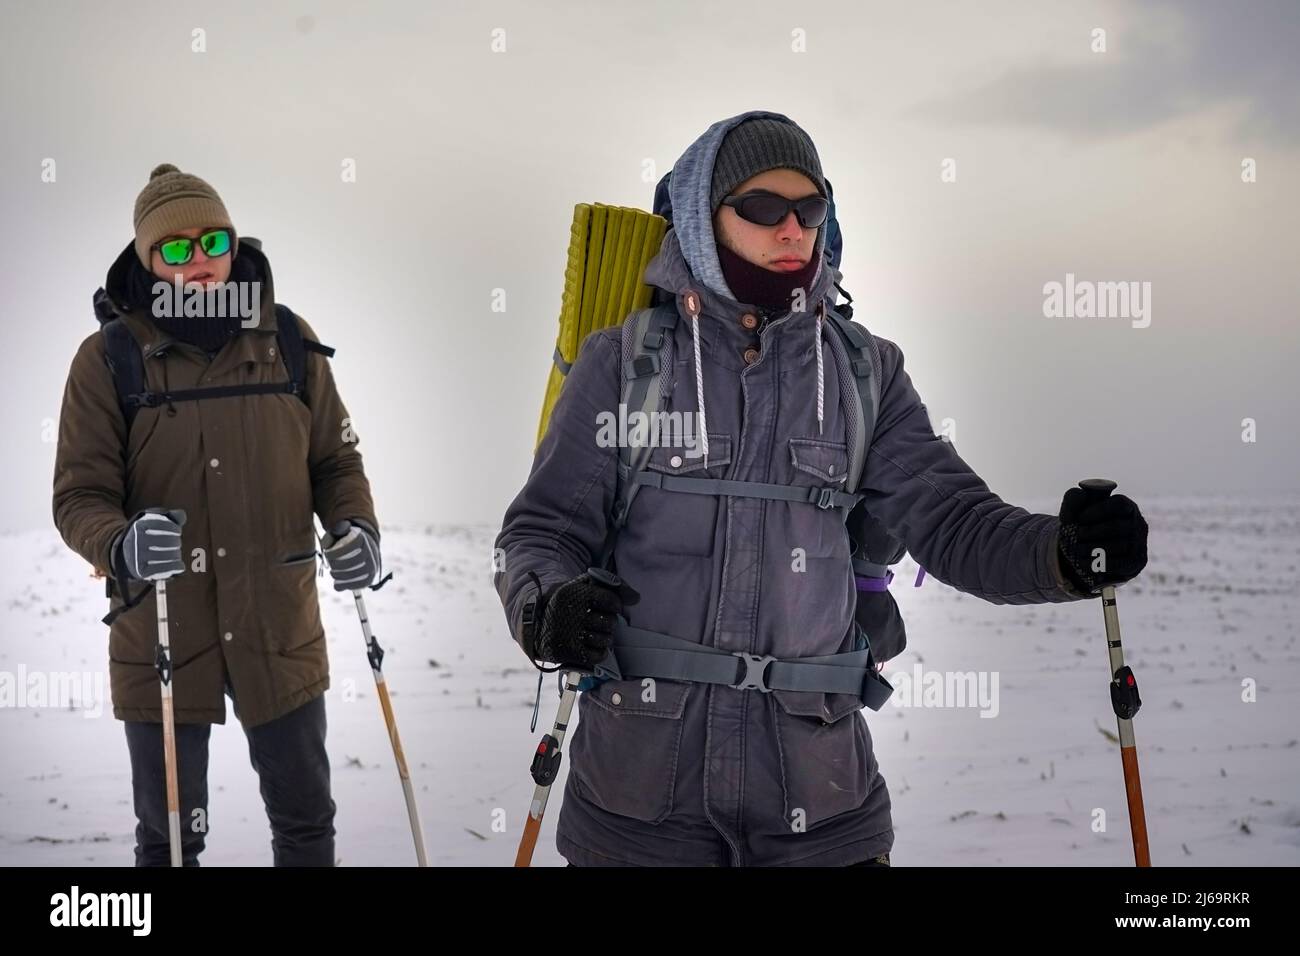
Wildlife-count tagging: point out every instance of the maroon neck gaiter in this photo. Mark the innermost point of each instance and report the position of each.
(753, 285)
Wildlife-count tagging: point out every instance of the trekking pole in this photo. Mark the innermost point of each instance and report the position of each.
(375, 654)
(545, 768)
(1123, 696)
(163, 664)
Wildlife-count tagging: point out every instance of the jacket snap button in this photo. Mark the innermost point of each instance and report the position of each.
(214, 462)
(271, 352)
(228, 636)
(221, 552)
(749, 321)
(675, 461)
(751, 356)
(616, 699)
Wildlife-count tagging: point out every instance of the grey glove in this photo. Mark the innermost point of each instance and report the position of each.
(150, 548)
(351, 551)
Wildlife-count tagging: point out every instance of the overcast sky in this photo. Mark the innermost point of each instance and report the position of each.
(1116, 166)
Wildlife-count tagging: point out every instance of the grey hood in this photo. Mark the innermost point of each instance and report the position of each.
(689, 190)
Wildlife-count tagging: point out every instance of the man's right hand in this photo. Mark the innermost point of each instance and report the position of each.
(151, 546)
(577, 619)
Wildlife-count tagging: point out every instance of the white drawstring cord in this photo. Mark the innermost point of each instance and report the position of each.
(699, 387)
(821, 388)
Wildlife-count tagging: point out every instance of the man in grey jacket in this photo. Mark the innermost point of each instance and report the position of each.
(735, 773)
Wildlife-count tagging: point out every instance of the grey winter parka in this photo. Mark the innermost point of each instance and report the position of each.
(705, 774)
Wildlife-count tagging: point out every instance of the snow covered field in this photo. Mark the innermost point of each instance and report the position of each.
(1216, 606)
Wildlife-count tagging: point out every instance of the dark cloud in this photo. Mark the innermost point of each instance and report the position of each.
(1244, 54)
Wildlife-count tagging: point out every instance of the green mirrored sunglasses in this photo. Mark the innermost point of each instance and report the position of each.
(180, 250)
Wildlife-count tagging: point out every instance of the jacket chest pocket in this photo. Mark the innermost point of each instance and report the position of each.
(816, 463)
(679, 522)
(627, 743)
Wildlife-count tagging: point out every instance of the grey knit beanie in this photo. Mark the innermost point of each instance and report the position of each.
(757, 145)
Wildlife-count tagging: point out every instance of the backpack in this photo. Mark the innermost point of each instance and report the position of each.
(126, 363)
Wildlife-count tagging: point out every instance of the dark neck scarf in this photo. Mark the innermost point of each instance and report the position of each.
(754, 285)
(209, 334)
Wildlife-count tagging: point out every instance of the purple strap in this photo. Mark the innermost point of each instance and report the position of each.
(920, 576)
(874, 584)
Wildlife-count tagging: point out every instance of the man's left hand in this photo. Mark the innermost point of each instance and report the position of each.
(352, 554)
(1101, 543)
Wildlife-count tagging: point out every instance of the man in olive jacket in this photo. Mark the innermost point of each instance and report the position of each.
(226, 485)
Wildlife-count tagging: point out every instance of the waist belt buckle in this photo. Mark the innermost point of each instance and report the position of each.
(825, 498)
(755, 671)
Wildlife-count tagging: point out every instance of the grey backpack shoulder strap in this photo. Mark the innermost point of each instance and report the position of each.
(864, 360)
(643, 338)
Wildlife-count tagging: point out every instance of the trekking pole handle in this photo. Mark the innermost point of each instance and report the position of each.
(1097, 488)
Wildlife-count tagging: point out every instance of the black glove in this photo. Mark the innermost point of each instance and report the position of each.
(1115, 525)
(576, 619)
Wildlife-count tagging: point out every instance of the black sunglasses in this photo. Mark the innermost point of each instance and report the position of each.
(769, 209)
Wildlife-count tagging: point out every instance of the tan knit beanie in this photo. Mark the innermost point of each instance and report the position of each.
(173, 201)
